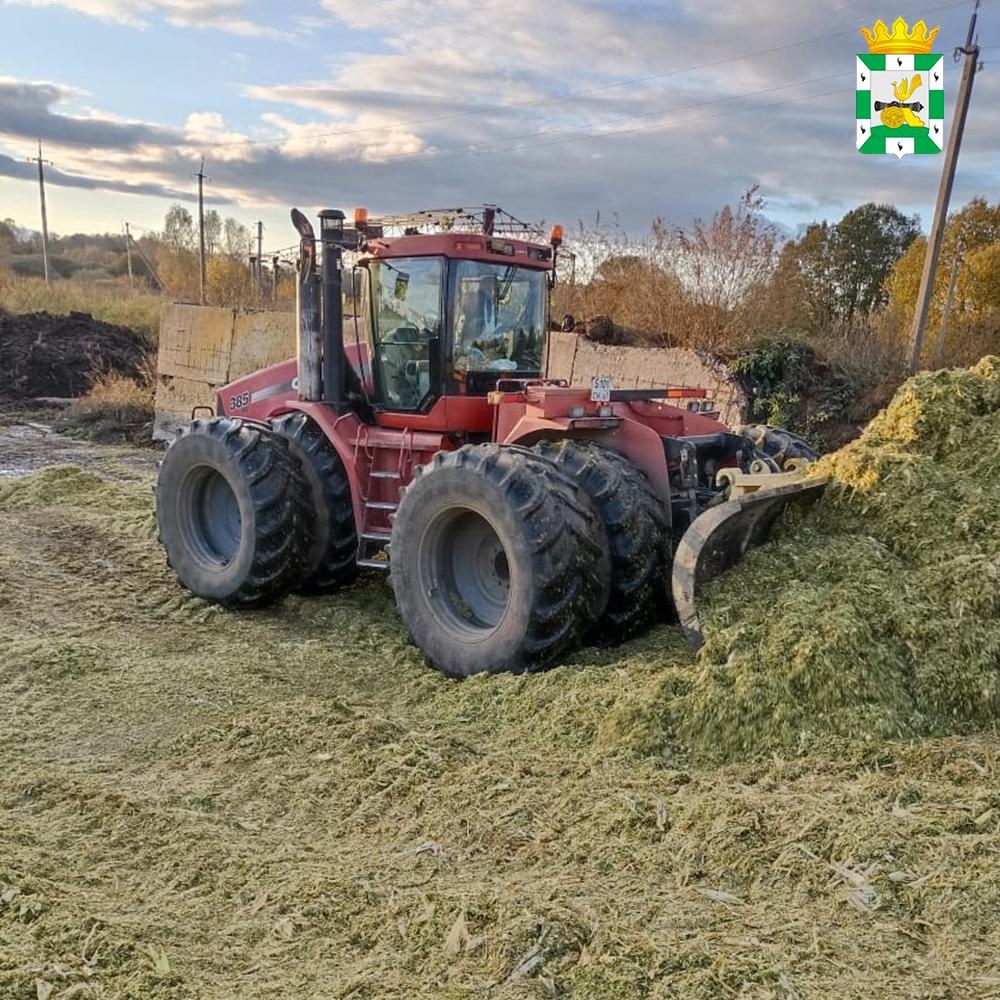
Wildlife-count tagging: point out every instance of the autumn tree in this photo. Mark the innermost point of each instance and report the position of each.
(178, 229)
(973, 323)
(213, 232)
(721, 261)
(235, 238)
(838, 272)
(8, 241)
(227, 274)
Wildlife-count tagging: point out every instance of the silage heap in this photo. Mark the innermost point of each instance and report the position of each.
(875, 614)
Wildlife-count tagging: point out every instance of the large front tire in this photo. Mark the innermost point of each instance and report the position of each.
(493, 562)
(638, 534)
(228, 506)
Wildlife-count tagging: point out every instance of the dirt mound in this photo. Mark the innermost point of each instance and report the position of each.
(45, 355)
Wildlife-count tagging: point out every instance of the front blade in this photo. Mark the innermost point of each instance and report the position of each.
(717, 539)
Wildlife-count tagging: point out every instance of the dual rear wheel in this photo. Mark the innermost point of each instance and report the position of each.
(249, 511)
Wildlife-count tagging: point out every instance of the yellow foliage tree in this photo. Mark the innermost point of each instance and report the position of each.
(975, 309)
(230, 282)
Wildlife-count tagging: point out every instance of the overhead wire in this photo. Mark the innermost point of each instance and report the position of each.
(589, 129)
(593, 130)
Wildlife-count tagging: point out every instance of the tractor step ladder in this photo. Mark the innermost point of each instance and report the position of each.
(373, 540)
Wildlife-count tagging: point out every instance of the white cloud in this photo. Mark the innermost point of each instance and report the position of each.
(315, 139)
(223, 15)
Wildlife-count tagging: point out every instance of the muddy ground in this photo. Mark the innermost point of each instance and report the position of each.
(288, 803)
(27, 445)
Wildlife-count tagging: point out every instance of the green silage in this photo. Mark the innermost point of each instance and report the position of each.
(289, 802)
(877, 613)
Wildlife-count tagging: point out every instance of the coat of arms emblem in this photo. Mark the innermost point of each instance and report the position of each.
(899, 93)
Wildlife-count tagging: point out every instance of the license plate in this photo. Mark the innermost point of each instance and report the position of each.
(600, 389)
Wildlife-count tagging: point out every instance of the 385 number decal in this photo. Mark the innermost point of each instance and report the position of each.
(239, 401)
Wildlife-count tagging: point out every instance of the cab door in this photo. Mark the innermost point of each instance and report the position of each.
(407, 323)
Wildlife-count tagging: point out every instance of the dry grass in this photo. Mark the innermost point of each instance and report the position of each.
(116, 409)
(111, 303)
(202, 804)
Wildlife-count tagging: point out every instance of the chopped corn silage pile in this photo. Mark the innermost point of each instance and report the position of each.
(203, 805)
(877, 614)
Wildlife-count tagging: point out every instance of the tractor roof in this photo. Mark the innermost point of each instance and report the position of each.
(463, 246)
(485, 233)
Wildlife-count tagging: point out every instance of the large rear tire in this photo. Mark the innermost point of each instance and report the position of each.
(493, 561)
(638, 535)
(330, 559)
(229, 510)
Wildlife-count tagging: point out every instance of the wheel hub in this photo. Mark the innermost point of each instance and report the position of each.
(465, 571)
(210, 516)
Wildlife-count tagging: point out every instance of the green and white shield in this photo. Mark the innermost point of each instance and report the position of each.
(900, 103)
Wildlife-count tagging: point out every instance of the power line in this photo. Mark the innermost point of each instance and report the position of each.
(589, 133)
(671, 124)
(570, 95)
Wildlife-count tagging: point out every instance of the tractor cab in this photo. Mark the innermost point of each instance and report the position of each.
(449, 315)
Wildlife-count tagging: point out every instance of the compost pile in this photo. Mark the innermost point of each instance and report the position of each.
(46, 355)
(875, 614)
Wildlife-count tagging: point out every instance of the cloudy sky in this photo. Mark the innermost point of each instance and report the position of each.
(554, 109)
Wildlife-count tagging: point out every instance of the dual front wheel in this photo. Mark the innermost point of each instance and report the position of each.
(503, 558)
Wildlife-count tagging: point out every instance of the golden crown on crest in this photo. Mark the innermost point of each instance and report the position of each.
(900, 40)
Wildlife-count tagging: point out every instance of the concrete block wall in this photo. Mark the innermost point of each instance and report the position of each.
(578, 360)
(204, 347)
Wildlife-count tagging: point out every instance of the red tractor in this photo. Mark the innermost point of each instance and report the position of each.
(517, 515)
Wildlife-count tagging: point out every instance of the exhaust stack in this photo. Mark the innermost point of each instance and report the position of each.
(307, 313)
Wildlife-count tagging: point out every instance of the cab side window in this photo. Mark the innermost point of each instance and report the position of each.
(407, 306)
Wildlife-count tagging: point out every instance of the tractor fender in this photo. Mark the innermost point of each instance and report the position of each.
(639, 443)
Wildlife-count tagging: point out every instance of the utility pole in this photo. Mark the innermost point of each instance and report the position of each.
(45, 220)
(201, 232)
(934, 239)
(274, 279)
(956, 263)
(260, 260)
(149, 265)
(128, 255)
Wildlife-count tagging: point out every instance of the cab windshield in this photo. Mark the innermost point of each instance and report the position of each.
(499, 318)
